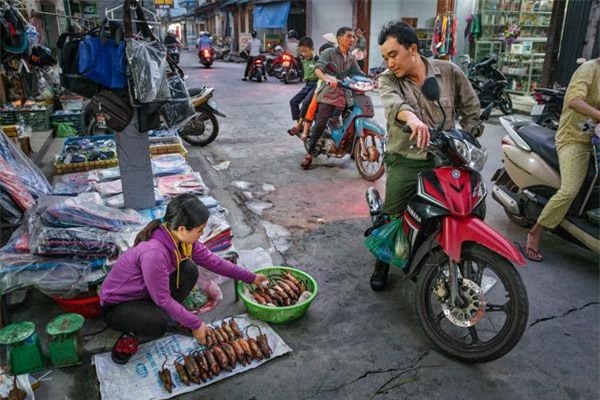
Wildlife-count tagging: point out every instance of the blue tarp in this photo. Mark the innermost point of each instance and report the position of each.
(271, 15)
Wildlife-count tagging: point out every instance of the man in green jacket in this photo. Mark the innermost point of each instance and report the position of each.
(400, 91)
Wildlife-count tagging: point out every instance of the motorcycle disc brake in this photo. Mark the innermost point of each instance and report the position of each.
(474, 309)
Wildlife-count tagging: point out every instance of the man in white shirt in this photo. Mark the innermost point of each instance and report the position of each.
(253, 47)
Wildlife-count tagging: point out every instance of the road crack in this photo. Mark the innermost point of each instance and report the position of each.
(570, 311)
(413, 366)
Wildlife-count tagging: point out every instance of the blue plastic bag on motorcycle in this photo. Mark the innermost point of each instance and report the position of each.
(389, 244)
(103, 61)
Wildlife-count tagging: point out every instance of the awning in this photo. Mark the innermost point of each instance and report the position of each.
(271, 15)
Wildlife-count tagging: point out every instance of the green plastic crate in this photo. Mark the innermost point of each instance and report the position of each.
(7, 117)
(279, 315)
(39, 120)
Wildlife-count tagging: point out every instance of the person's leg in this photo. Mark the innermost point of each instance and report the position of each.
(137, 320)
(573, 160)
(142, 318)
(188, 277)
(400, 187)
(296, 101)
(324, 112)
(307, 100)
(309, 117)
(248, 64)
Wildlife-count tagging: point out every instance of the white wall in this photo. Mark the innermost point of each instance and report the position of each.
(384, 11)
(328, 16)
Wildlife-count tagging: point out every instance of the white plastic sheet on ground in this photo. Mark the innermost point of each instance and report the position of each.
(138, 379)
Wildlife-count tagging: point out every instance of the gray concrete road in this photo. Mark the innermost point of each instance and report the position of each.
(353, 343)
(357, 344)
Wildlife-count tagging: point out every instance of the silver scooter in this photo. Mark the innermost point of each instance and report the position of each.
(530, 176)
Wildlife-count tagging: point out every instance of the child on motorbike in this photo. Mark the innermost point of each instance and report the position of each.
(304, 96)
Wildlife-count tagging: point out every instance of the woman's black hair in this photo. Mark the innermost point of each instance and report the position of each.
(184, 210)
(404, 34)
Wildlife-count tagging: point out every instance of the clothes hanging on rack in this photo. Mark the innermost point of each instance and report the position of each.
(473, 29)
(444, 36)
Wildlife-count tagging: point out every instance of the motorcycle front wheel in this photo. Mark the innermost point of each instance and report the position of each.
(505, 103)
(496, 311)
(202, 129)
(369, 170)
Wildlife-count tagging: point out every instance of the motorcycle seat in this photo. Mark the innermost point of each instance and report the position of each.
(486, 63)
(542, 142)
(550, 92)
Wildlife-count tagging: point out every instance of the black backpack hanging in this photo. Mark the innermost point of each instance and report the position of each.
(68, 44)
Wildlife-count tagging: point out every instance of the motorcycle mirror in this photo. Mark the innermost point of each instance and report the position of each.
(485, 115)
(431, 89)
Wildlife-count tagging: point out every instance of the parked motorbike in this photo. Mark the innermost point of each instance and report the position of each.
(291, 69)
(489, 84)
(203, 128)
(549, 106)
(273, 62)
(206, 57)
(222, 51)
(470, 299)
(173, 51)
(530, 176)
(355, 132)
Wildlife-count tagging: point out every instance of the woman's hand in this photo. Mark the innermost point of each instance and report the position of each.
(200, 334)
(261, 280)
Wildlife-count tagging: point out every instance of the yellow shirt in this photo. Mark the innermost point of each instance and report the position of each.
(584, 84)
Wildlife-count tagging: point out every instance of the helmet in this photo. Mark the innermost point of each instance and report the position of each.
(253, 33)
(293, 34)
(171, 31)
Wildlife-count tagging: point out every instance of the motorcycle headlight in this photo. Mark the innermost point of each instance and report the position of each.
(472, 156)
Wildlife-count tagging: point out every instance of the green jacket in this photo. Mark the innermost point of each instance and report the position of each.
(398, 94)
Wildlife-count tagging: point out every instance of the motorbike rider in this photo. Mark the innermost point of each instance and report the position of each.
(292, 43)
(582, 101)
(253, 47)
(304, 96)
(171, 38)
(400, 91)
(330, 98)
(360, 50)
(204, 42)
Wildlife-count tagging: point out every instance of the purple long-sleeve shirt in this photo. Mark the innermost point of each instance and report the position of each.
(143, 272)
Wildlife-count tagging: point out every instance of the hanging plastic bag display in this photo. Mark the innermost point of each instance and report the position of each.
(147, 62)
(179, 110)
(389, 244)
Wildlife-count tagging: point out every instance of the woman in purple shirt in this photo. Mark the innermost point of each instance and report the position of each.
(148, 283)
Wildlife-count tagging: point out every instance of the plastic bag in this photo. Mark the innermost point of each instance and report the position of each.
(196, 299)
(389, 244)
(118, 201)
(148, 70)
(52, 276)
(11, 184)
(30, 176)
(177, 184)
(170, 164)
(85, 210)
(64, 130)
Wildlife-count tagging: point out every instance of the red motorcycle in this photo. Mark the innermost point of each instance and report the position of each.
(206, 57)
(291, 69)
(470, 299)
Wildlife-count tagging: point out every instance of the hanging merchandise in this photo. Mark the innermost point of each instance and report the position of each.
(114, 106)
(101, 57)
(13, 35)
(444, 36)
(70, 78)
(40, 56)
(156, 82)
(11, 184)
(473, 29)
(17, 166)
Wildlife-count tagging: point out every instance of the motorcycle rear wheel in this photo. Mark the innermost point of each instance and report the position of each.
(468, 344)
(373, 170)
(505, 103)
(195, 132)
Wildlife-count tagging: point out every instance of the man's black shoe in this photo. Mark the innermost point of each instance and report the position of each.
(380, 276)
